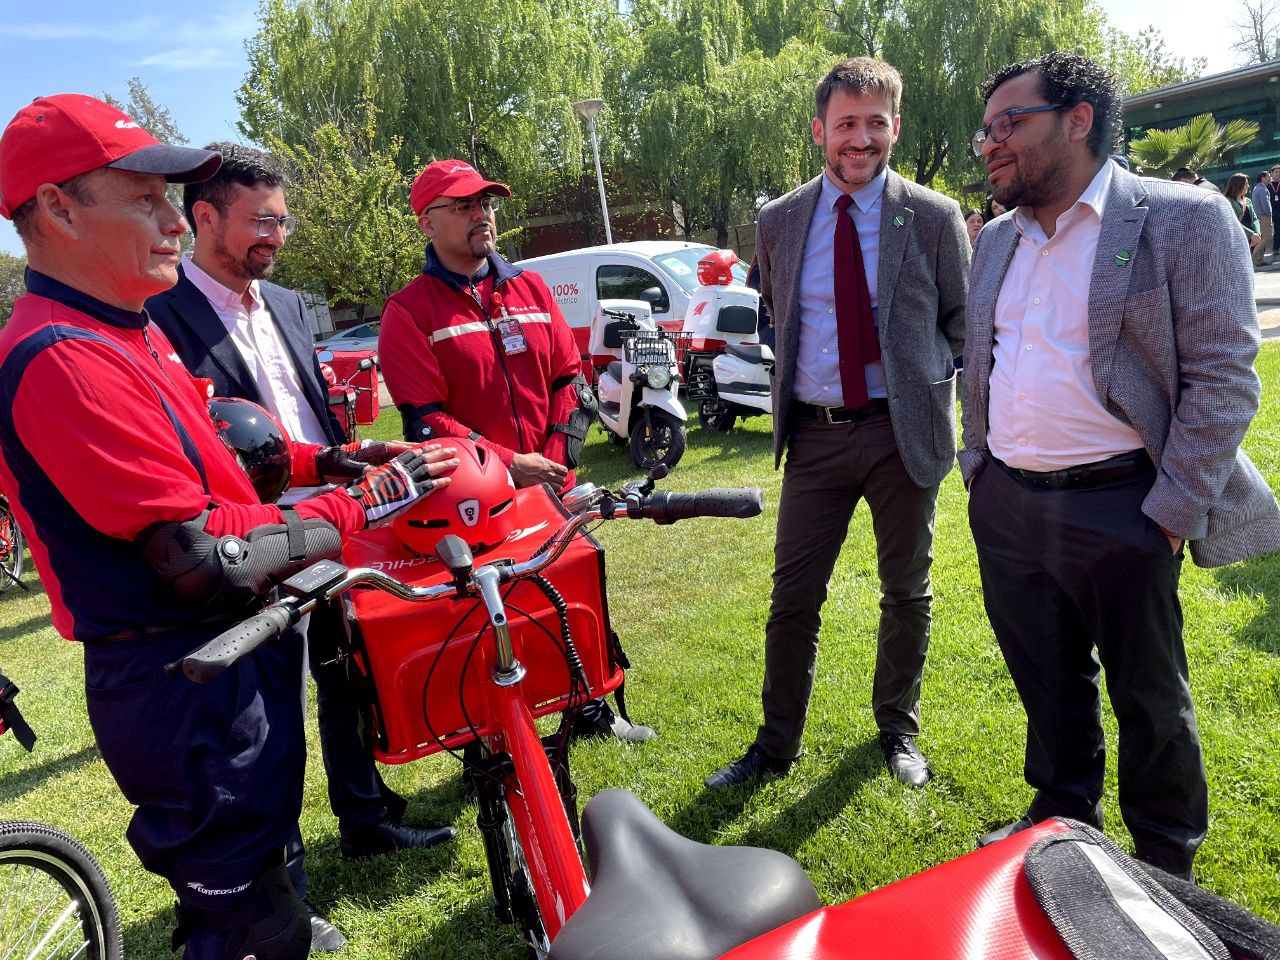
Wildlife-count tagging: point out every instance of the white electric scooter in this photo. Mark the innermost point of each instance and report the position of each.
(728, 369)
(638, 390)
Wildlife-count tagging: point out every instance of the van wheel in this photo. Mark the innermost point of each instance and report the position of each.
(657, 437)
(716, 416)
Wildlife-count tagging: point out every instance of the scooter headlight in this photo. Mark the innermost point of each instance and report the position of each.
(658, 377)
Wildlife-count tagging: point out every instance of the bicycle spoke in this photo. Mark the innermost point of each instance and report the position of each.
(39, 920)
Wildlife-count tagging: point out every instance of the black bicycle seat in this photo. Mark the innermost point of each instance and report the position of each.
(657, 896)
(750, 352)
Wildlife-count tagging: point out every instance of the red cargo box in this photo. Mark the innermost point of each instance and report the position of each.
(344, 365)
(420, 656)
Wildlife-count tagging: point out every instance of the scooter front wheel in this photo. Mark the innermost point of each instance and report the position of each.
(657, 437)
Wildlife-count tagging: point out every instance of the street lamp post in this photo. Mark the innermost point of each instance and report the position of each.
(587, 110)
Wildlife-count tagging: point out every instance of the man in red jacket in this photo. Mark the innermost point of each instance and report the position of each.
(149, 538)
(476, 347)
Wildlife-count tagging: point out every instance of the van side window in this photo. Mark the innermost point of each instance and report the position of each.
(615, 281)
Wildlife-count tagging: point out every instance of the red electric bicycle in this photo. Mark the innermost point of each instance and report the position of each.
(524, 635)
(504, 644)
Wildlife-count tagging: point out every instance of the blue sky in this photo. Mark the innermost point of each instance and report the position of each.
(193, 65)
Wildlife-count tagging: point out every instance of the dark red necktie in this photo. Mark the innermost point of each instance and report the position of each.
(855, 331)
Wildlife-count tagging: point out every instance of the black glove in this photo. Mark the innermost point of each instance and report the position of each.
(348, 462)
(390, 488)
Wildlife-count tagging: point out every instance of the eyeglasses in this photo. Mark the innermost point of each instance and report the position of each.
(267, 225)
(1000, 128)
(469, 206)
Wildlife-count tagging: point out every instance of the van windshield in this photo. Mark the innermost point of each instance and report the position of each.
(682, 266)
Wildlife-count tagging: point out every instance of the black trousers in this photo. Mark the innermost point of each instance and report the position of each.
(829, 468)
(357, 794)
(1077, 578)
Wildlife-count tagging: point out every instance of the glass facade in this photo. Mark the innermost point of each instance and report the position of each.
(1255, 99)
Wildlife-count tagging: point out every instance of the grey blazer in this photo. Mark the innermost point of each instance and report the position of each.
(1173, 333)
(921, 284)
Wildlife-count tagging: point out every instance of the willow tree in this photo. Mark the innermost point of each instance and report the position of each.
(487, 80)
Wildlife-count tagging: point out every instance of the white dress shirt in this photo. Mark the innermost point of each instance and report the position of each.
(258, 340)
(818, 358)
(1044, 411)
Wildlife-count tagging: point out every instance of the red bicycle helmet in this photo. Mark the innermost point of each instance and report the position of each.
(476, 506)
(715, 269)
(257, 441)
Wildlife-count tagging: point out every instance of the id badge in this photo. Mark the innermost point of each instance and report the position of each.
(512, 335)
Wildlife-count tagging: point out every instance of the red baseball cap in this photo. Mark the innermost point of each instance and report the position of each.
(56, 138)
(450, 178)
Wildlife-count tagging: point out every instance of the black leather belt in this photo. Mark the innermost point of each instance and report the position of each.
(1084, 475)
(807, 411)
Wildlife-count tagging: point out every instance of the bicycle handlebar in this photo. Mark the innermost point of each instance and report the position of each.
(665, 507)
(327, 579)
(241, 640)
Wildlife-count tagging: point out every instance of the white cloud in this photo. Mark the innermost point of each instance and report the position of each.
(130, 31)
(192, 58)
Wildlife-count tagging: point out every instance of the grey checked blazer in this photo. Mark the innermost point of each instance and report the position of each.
(1173, 333)
(920, 284)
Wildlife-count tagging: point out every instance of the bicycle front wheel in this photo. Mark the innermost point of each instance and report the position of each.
(55, 901)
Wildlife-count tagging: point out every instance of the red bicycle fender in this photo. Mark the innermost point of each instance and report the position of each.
(978, 907)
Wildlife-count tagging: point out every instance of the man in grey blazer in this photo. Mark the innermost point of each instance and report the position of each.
(1108, 384)
(865, 276)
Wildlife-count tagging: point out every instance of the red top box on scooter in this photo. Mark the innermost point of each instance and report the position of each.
(430, 667)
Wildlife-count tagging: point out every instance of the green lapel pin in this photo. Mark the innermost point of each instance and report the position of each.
(899, 220)
(1122, 258)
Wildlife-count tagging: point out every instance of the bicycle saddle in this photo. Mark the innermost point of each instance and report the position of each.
(750, 352)
(657, 896)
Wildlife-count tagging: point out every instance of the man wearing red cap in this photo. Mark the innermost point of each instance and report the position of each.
(148, 536)
(476, 347)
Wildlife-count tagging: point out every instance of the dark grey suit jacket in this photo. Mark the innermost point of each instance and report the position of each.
(921, 285)
(1173, 333)
(189, 321)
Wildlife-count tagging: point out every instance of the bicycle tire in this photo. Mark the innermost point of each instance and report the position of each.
(12, 547)
(47, 879)
(526, 915)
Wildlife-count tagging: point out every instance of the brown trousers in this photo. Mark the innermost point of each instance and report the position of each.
(829, 468)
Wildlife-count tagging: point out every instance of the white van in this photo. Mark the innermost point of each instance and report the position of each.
(661, 272)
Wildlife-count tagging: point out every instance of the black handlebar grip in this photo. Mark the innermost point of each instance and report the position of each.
(232, 645)
(667, 507)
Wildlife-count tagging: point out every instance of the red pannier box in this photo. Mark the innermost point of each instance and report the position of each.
(403, 645)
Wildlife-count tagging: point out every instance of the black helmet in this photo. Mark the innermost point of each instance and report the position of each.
(257, 441)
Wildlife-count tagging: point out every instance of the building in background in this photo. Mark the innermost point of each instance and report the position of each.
(1249, 93)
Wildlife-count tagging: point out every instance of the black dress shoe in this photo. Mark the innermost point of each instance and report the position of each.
(370, 840)
(1003, 833)
(754, 766)
(904, 759)
(325, 937)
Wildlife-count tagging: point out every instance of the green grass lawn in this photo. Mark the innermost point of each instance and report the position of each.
(690, 603)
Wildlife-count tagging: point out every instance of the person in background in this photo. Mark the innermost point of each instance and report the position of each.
(994, 208)
(974, 222)
(764, 326)
(252, 339)
(1262, 210)
(476, 347)
(1187, 175)
(1237, 193)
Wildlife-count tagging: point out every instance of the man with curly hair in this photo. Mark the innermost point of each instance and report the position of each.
(1108, 384)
